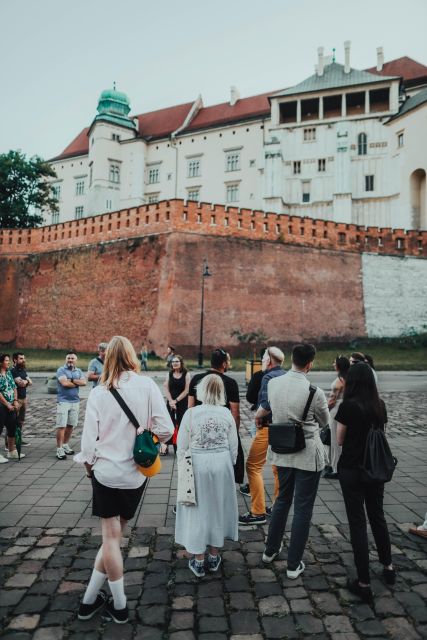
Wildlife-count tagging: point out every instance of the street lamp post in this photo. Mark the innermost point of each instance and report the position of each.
(205, 274)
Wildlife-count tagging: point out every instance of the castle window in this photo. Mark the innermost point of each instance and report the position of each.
(297, 167)
(362, 144)
(78, 211)
(306, 191)
(114, 173)
(400, 243)
(232, 161)
(232, 193)
(55, 217)
(193, 194)
(321, 165)
(400, 139)
(80, 187)
(153, 175)
(56, 191)
(369, 183)
(252, 163)
(193, 167)
(115, 137)
(109, 205)
(153, 198)
(310, 134)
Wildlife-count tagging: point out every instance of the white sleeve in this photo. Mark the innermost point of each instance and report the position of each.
(183, 441)
(90, 432)
(233, 441)
(161, 422)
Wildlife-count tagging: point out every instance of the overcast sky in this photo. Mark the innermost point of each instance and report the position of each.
(56, 56)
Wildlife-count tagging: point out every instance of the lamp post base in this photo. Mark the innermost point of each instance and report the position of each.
(200, 360)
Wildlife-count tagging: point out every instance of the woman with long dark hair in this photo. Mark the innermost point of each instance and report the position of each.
(176, 386)
(360, 410)
(341, 366)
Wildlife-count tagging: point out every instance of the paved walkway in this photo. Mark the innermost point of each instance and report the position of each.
(48, 540)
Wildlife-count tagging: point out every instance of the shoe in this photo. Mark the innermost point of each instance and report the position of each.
(13, 455)
(213, 562)
(248, 518)
(120, 616)
(3, 459)
(293, 574)
(364, 593)
(174, 510)
(68, 450)
(418, 531)
(389, 575)
(328, 469)
(87, 611)
(245, 490)
(60, 454)
(197, 567)
(269, 510)
(331, 475)
(267, 558)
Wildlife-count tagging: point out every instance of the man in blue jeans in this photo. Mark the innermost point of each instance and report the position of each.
(299, 473)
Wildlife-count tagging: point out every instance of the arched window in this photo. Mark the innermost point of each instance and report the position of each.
(362, 144)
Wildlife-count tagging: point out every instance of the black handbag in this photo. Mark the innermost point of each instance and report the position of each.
(325, 435)
(288, 437)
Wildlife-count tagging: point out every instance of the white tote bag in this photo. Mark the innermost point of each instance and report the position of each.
(186, 492)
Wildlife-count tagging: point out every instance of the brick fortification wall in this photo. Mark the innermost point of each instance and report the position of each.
(138, 273)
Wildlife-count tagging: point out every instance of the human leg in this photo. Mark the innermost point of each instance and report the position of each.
(281, 509)
(254, 466)
(335, 449)
(374, 498)
(276, 480)
(306, 486)
(354, 498)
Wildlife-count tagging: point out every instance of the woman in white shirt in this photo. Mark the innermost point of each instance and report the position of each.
(107, 452)
(209, 430)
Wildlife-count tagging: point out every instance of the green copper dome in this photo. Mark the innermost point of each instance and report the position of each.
(114, 107)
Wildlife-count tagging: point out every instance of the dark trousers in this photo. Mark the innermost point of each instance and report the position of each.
(358, 495)
(8, 420)
(301, 486)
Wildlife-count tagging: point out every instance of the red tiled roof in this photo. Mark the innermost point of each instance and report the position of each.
(78, 147)
(158, 124)
(410, 70)
(244, 109)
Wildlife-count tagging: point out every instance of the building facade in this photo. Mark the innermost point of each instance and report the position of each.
(344, 145)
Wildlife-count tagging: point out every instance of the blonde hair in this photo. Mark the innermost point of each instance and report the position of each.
(119, 357)
(211, 390)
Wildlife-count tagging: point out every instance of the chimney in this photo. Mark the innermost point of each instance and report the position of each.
(347, 44)
(234, 95)
(320, 64)
(380, 58)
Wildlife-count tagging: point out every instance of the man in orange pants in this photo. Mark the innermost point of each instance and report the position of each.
(272, 365)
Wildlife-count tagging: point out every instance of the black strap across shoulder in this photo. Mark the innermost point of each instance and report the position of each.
(125, 408)
(313, 390)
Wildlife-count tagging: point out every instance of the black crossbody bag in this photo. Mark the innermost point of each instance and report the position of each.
(288, 437)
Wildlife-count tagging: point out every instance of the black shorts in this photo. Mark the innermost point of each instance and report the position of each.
(108, 502)
(8, 419)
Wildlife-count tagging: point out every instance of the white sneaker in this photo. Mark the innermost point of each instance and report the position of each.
(13, 455)
(293, 575)
(68, 450)
(267, 559)
(3, 459)
(60, 454)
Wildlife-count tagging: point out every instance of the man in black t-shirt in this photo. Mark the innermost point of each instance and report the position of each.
(22, 381)
(218, 366)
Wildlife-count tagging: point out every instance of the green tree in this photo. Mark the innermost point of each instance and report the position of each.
(24, 190)
(253, 338)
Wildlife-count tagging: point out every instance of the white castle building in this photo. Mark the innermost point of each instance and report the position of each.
(345, 144)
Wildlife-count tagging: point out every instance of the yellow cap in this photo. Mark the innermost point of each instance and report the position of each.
(152, 470)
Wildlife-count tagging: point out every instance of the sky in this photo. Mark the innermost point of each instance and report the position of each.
(56, 56)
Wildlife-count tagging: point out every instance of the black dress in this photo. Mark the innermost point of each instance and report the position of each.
(176, 387)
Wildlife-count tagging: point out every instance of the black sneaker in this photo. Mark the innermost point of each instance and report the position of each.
(120, 616)
(245, 490)
(389, 575)
(248, 519)
(87, 611)
(364, 593)
(269, 510)
(331, 475)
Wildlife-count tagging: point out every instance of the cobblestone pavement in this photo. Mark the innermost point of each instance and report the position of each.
(48, 540)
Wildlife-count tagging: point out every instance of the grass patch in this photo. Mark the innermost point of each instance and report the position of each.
(394, 354)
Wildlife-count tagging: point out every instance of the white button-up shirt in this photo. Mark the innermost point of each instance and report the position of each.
(108, 436)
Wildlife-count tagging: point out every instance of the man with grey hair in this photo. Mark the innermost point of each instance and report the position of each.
(96, 365)
(272, 361)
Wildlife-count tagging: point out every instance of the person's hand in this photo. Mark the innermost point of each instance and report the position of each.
(259, 423)
(172, 404)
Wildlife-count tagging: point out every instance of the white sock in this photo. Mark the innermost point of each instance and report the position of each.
(118, 592)
(96, 581)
